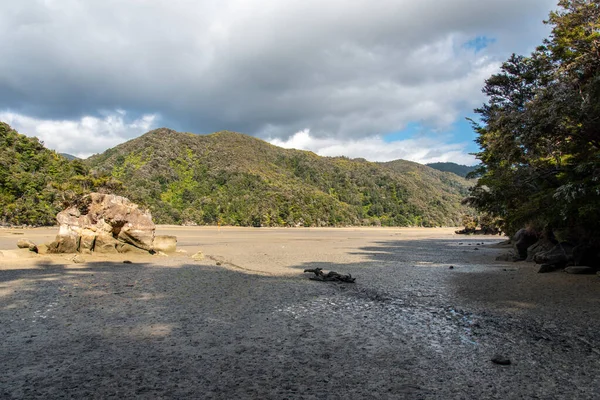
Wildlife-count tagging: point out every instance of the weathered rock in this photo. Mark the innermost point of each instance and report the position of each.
(541, 246)
(522, 240)
(27, 244)
(545, 268)
(555, 256)
(105, 243)
(580, 270)
(87, 241)
(128, 248)
(64, 244)
(78, 259)
(165, 243)
(198, 256)
(100, 222)
(42, 249)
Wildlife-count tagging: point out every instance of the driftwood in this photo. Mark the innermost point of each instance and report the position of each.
(331, 276)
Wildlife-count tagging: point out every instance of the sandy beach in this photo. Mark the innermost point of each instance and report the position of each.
(246, 322)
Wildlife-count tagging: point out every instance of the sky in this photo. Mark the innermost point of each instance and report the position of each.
(377, 79)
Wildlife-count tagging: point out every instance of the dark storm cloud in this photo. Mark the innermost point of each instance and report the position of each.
(269, 68)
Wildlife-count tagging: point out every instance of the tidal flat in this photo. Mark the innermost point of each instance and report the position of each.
(426, 316)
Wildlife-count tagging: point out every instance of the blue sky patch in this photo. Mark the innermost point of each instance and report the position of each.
(479, 43)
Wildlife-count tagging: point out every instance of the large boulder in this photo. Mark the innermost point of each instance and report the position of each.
(557, 255)
(522, 240)
(104, 223)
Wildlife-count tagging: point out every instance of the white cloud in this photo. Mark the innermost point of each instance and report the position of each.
(421, 150)
(83, 137)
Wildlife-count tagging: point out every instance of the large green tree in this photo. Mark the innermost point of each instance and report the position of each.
(540, 131)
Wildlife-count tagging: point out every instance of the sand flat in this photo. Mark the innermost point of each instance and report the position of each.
(256, 327)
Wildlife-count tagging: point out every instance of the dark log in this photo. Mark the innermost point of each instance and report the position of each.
(331, 276)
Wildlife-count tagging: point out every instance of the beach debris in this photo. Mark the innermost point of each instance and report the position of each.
(331, 276)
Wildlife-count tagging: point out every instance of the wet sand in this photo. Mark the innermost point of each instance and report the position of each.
(256, 327)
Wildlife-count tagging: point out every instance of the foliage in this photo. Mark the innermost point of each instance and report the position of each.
(458, 169)
(234, 179)
(540, 131)
(35, 183)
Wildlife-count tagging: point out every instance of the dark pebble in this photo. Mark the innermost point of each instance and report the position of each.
(500, 360)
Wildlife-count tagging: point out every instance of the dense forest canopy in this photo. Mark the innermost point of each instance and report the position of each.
(234, 179)
(35, 183)
(226, 178)
(458, 169)
(539, 132)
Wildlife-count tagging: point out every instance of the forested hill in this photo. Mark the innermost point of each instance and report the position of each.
(234, 179)
(458, 169)
(35, 182)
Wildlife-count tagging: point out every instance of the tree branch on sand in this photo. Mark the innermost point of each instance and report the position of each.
(331, 276)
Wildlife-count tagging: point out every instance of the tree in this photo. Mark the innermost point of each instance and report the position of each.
(540, 131)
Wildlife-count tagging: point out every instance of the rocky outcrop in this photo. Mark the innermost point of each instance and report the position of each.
(522, 240)
(104, 223)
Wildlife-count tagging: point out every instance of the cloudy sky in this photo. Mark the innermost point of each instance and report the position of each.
(379, 79)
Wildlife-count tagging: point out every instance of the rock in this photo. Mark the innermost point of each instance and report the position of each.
(42, 249)
(545, 268)
(64, 244)
(161, 254)
(198, 256)
(78, 259)
(451, 267)
(27, 244)
(100, 222)
(541, 246)
(580, 270)
(522, 240)
(500, 360)
(106, 244)
(556, 256)
(165, 243)
(87, 241)
(127, 248)
(127, 262)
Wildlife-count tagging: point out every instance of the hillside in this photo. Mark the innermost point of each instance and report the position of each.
(458, 169)
(36, 182)
(234, 179)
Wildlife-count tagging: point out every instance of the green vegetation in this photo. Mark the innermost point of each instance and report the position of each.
(458, 169)
(35, 183)
(540, 132)
(233, 179)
